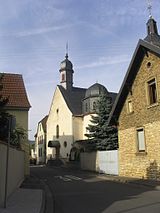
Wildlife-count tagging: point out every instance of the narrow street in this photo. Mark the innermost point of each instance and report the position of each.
(76, 191)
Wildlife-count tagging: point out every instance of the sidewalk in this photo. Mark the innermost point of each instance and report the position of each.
(24, 201)
(29, 198)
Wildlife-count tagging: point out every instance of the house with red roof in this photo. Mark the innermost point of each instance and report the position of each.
(18, 105)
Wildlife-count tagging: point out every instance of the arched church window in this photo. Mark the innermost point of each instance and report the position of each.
(57, 131)
(65, 144)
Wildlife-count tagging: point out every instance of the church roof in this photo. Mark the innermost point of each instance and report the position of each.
(141, 50)
(73, 98)
(14, 90)
(95, 90)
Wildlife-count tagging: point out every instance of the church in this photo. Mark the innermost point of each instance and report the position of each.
(70, 112)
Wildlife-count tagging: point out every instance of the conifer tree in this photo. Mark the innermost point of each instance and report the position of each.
(101, 136)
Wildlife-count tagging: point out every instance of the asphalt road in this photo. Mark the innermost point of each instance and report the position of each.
(75, 191)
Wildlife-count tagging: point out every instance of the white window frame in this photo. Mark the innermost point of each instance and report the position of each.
(141, 146)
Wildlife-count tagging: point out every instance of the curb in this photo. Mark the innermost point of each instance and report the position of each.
(132, 181)
(42, 209)
(48, 202)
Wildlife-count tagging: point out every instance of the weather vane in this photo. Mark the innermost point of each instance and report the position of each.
(149, 8)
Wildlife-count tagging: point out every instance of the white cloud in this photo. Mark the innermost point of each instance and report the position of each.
(37, 31)
(106, 61)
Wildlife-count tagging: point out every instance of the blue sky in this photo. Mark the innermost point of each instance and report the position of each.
(102, 36)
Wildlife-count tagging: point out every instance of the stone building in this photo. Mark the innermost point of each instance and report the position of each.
(70, 112)
(136, 111)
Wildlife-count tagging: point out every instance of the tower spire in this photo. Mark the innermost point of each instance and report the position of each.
(66, 72)
(149, 8)
(152, 31)
(66, 50)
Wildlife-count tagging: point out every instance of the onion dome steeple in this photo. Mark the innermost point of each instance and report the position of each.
(66, 73)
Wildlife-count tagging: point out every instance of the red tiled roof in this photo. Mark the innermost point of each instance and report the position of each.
(13, 87)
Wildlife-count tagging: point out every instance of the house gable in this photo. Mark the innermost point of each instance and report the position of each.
(141, 51)
(14, 90)
(60, 115)
(142, 111)
(60, 125)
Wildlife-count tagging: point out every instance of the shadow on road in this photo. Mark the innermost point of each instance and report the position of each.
(93, 193)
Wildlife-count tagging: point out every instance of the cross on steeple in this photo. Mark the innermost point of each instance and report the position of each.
(149, 8)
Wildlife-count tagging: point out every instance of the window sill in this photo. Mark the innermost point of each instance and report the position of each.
(130, 113)
(152, 105)
(142, 153)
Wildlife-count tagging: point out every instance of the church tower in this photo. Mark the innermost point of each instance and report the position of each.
(66, 73)
(152, 32)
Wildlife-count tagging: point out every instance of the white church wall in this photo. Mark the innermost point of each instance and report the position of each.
(86, 122)
(78, 128)
(60, 115)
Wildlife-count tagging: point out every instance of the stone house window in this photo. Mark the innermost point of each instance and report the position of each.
(141, 140)
(152, 91)
(129, 106)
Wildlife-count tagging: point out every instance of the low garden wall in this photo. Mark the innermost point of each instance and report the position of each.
(15, 171)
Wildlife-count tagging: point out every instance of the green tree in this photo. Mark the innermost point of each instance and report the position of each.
(17, 135)
(101, 136)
